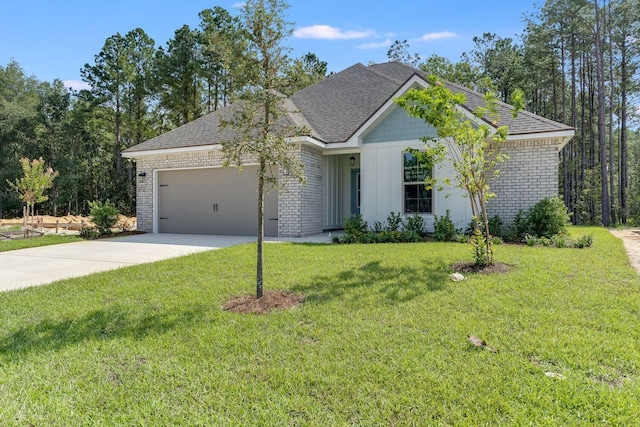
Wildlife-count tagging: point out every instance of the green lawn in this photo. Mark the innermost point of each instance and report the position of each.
(49, 239)
(381, 340)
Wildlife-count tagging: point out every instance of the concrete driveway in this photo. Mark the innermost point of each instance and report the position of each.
(38, 266)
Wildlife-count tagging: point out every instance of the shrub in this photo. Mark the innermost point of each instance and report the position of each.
(394, 221)
(519, 228)
(415, 224)
(354, 226)
(495, 226)
(548, 217)
(395, 230)
(410, 236)
(544, 241)
(584, 241)
(444, 228)
(530, 240)
(483, 250)
(561, 241)
(462, 238)
(89, 233)
(104, 216)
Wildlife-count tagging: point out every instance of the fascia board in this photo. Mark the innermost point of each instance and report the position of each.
(213, 147)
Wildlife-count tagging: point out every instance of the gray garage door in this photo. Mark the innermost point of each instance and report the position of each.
(213, 201)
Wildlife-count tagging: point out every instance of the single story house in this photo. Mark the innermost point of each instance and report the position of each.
(354, 159)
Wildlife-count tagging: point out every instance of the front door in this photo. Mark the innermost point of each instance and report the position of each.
(355, 192)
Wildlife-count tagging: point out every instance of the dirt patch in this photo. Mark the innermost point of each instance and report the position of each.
(471, 267)
(631, 240)
(71, 222)
(271, 300)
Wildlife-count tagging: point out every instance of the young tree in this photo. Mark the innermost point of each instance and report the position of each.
(472, 146)
(33, 185)
(259, 118)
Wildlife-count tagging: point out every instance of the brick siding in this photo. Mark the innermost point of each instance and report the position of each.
(299, 208)
(300, 205)
(529, 175)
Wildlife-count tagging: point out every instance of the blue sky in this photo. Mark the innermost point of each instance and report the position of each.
(54, 39)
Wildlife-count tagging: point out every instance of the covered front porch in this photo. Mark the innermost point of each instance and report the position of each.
(341, 188)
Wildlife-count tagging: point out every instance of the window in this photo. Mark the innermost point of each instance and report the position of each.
(417, 199)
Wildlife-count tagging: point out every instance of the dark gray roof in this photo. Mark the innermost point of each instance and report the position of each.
(524, 123)
(207, 130)
(337, 107)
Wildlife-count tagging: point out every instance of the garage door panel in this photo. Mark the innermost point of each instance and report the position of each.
(213, 201)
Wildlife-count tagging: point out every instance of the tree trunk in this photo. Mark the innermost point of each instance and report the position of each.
(583, 134)
(623, 134)
(592, 145)
(612, 154)
(602, 143)
(118, 152)
(574, 193)
(260, 260)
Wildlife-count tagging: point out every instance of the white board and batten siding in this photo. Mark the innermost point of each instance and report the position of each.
(383, 180)
(383, 176)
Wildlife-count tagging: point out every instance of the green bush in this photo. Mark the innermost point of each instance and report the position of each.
(561, 241)
(548, 217)
(482, 249)
(394, 221)
(414, 224)
(354, 225)
(462, 238)
(584, 241)
(519, 228)
(89, 233)
(444, 228)
(394, 230)
(530, 240)
(104, 216)
(495, 226)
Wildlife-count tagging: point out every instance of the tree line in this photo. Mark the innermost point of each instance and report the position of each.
(137, 91)
(577, 63)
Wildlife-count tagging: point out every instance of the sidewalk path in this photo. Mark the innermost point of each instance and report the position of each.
(631, 240)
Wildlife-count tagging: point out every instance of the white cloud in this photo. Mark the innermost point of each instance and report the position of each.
(238, 5)
(437, 36)
(375, 45)
(328, 32)
(76, 84)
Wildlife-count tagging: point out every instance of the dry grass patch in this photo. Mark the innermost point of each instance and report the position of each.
(471, 267)
(271, 300)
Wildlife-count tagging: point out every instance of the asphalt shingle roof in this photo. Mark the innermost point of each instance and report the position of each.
(337, 107)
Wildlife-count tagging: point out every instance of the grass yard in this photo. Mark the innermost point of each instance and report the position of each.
(49, 239)
(380, 340)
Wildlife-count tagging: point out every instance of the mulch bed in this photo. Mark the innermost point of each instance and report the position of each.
(271, 300)
(471, 267)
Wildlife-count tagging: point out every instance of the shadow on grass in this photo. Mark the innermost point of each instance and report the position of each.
(105, 324)
(394, 284)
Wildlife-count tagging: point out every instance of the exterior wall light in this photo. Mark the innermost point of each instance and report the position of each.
(352, 161)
